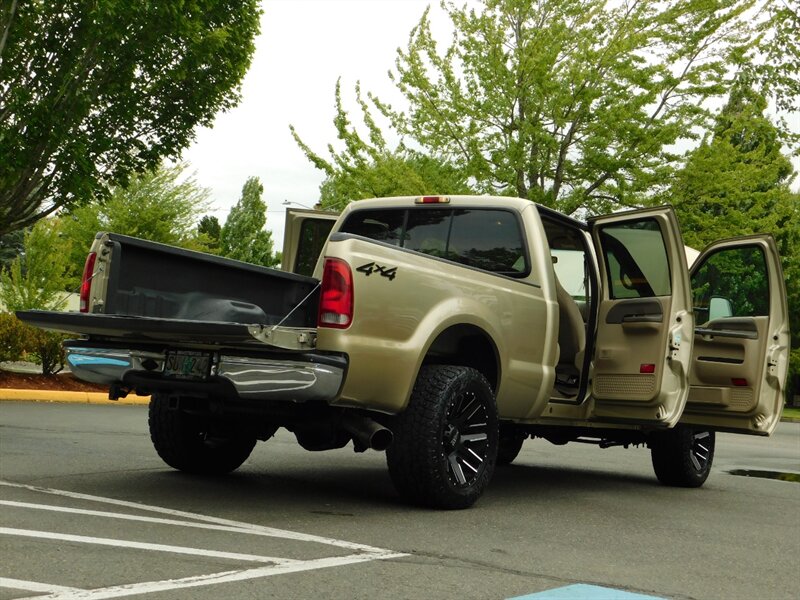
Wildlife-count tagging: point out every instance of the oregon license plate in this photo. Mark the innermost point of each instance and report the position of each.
(187, 365)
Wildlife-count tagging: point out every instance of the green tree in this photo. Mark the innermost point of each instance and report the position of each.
(10, 246)
(92, 92)
(369, 168)
(737, 182)
(779, 46)
(577, 104)
(210, 228)
(243, 236)
(37, 277)
(161, 206)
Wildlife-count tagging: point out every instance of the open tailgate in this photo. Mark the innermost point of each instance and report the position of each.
(172, 331)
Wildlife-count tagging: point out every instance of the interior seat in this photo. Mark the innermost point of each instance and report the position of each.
(571, 338)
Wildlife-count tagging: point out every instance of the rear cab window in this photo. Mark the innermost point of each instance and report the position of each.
(482, 238)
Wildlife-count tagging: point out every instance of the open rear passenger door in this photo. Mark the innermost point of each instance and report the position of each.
(741, 341)
(644, 332)
(304, 237)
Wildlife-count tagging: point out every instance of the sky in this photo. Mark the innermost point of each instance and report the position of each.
(304, 46)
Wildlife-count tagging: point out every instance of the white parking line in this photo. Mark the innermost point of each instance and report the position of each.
(268, 531)
(128, 517)
(86, 539)
(213, 578)
(278, 566)
(35, 586)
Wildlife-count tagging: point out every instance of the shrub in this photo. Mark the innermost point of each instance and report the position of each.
(13, 334)
(19, 341)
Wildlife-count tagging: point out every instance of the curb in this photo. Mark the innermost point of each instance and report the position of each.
(8, 395)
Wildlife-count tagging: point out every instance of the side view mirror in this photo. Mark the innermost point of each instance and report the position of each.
(719, 308)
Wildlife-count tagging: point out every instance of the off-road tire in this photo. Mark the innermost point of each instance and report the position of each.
(682, 457)
(445, 446)
(188, 443)
(509, 445)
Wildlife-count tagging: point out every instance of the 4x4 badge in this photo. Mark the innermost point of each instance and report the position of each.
(368, 269)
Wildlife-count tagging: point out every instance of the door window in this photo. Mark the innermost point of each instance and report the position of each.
(645, 276)
(731, 282)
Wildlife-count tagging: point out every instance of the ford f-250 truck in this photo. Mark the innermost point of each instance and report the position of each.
(446, 331)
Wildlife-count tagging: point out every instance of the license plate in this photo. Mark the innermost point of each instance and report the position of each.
(187, 365)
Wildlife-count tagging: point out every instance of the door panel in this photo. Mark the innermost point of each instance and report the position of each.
(304, 237)
(645, 324)
(741, 341)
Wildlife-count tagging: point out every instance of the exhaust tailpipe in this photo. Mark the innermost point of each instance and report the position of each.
(367, 433)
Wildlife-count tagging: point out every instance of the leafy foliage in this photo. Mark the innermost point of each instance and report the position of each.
(12, 337)
(779, 47)
(20, 341)
(37, 277)
(91, 92)
(576, 104)
(368, 168)
(161, 206)
(210, 228)
(243, 236)
(10, 247)
(737, 183)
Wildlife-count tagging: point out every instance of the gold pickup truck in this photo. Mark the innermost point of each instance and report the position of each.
(445, 331)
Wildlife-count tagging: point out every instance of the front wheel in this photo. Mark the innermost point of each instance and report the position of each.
(682, 457)
(192, 443)
(445, 445)
(509, 445)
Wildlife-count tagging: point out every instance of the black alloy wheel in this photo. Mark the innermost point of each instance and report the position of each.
(445, 445)
(682, 457)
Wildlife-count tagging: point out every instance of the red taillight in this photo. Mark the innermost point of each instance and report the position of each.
(86, 282)
(647, 368)
(739, 382)
(336, 295)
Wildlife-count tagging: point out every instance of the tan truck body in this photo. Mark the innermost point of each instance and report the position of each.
(459, 326)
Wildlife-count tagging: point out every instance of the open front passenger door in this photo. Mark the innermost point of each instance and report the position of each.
(644, 334)
(741, 341)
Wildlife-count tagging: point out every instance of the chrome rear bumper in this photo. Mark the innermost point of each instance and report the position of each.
(253, 378)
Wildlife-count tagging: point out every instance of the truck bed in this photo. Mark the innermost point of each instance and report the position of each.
(147, 279)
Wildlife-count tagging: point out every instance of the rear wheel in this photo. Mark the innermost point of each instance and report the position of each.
(192, 443)
(445, 445)
(682, 457)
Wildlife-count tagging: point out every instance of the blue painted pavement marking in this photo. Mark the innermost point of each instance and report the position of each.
(581, 591)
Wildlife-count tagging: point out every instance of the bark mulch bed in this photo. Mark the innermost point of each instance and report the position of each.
(64, 382)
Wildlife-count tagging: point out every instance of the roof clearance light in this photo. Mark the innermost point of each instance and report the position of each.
(432, 200)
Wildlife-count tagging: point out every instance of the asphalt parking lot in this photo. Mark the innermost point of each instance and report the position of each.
(89, 511)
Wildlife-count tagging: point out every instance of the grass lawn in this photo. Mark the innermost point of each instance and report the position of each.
(791, 412)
